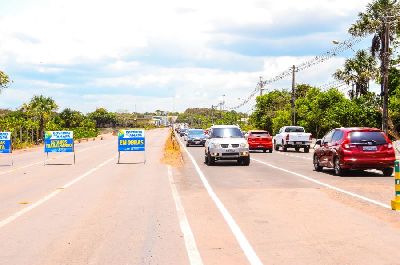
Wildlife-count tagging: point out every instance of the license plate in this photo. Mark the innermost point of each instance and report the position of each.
(197, 142)
(298, 143)
(369, 148)
(230, 150)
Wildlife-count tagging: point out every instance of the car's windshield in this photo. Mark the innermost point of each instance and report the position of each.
(294, 129)
(227, 133)
(195, 132)
(366, 137)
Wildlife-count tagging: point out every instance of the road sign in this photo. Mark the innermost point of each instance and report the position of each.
(131, 141)
(5, 143)
(59, 142)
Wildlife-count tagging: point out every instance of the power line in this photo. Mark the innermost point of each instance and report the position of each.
(336, 50)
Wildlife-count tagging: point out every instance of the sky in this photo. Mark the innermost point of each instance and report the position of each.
(128, 55)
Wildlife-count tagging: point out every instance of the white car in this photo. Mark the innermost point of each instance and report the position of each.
(292, 137)
(226, 142)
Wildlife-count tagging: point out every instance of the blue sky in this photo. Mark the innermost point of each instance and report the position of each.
(163, 54)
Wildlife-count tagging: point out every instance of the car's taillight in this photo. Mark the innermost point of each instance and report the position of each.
(310, 137)
(287, 137)
(346, 144)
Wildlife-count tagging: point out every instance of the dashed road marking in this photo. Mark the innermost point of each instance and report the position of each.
(190, 242)
(44, 199)
(352, 194)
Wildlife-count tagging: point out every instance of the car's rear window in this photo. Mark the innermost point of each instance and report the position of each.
(294, 129)
(366, 137)
(226, 133)
(260, 133)
(195, 132)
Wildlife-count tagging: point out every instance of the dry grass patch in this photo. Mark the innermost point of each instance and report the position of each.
(172, 151)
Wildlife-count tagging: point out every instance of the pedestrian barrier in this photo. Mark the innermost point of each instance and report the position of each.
(396, 200)
(58, 142)
(5, 144)
(131, 141)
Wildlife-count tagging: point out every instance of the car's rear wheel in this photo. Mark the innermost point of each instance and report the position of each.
(264, 150)
(276, 147)
(337, 168)
(306, 149)
(270, 150)
(317, 166)
(284, 148)
(297, 149)
(387, 172)
(187, 144)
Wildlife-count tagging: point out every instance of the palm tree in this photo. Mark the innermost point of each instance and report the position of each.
(380, 19)
(41, 109)
(357, 72)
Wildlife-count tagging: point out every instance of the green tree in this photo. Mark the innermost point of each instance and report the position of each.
(41, 109)
(103, 118)
(4, 80)
(357, 72)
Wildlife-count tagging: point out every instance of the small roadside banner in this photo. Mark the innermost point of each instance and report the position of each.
(5, 143)
(59, 142)
(131, 141)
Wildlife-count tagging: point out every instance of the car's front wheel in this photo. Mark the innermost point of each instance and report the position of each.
(210, 160)
(244, 161)
(317, 166)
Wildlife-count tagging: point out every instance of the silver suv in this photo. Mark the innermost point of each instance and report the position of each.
(226, 142)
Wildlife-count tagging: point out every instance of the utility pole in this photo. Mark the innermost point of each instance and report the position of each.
(212, 114)
(261, 86)
(385, 76)
(293, 101)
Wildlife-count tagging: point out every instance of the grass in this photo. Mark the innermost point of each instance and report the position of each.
(172, 151)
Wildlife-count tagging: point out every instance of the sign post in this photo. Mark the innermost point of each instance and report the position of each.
(396, 200)
(131, 141)
(59, 142)
(5, 144)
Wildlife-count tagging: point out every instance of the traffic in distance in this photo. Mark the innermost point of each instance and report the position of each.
(341, 149)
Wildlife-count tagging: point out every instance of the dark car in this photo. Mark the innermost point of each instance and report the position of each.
(195, 137)
(355, 148)
(259, 140)
(182, 132)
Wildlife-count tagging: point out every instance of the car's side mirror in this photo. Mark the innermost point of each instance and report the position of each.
(318, 142)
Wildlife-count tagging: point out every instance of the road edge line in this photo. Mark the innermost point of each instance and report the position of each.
(44, 199)
(248, 250)
(190, 242)
(352, 194)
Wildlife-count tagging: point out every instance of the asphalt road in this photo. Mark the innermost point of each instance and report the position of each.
(276, 211)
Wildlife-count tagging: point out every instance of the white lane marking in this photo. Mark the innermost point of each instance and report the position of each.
(237, 232)
(41, 162)
(190, 242)
(352, 194)
(51, 195)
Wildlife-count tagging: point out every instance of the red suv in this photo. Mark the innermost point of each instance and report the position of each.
(259, 140)
(355, 148)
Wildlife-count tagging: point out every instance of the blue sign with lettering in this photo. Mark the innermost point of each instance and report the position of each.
(131, 140)
(5, 143)
(59, 141)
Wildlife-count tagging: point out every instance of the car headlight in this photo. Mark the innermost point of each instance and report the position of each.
(213, 145)
(244, 145)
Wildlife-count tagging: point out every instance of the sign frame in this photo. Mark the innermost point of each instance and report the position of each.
(131, 140)
(6, 138)
(59, 135)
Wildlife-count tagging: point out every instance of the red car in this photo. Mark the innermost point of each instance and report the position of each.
(355, 148)
(259, 140)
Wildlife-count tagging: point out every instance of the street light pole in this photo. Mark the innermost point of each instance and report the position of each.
(293, 101)
(385, 76)
(261, 84)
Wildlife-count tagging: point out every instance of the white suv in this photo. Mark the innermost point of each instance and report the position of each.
(226, 142)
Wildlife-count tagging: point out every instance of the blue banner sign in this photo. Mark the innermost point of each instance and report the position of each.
(5, 142)
(59, 141)
(131, 140)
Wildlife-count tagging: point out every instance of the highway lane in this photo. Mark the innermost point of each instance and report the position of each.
(108, 214)
(290, 220)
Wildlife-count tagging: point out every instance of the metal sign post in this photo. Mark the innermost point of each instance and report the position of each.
(58, 142)
(131, 141)
(5, 145)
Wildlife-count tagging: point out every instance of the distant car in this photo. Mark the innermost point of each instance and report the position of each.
(226, 142)
(195, 137)
(292, 137)
(182, 132)
(259, 140)
(355, 148)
